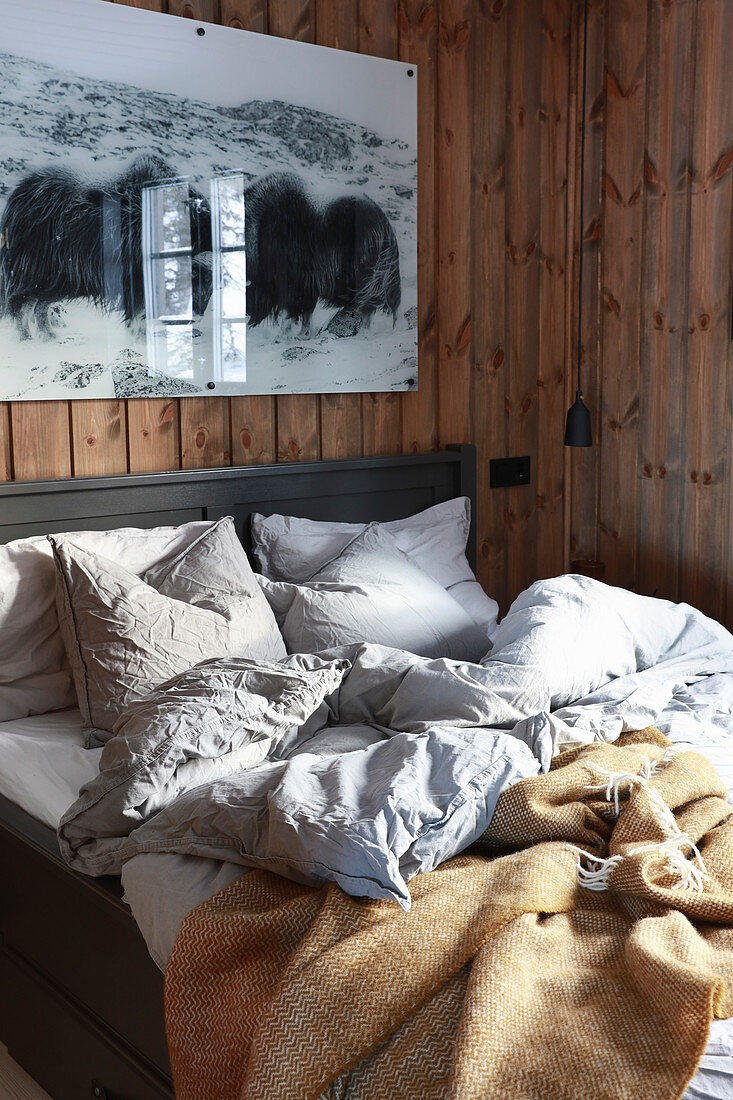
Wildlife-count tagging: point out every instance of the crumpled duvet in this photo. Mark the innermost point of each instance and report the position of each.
(573, 661)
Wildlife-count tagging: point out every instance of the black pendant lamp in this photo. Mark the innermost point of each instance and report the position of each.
(577, 426)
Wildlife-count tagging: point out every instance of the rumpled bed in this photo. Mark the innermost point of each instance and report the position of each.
(573, 662)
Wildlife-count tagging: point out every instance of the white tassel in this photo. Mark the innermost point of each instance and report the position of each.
(692, 876)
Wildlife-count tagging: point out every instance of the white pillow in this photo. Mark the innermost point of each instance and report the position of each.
(372, 593)
(288, 548)
(35, 676)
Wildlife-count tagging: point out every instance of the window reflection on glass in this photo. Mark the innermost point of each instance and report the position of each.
(230, 275)
(177, 272)
(167, 260)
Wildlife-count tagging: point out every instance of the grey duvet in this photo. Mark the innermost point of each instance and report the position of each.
(220, 762)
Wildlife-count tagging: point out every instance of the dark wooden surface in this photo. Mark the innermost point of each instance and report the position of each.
(491, 283)
(652, 497)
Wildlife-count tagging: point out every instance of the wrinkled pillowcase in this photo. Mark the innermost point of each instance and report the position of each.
(288, 548)
(125, 635)
(35, 676)
(372, 593)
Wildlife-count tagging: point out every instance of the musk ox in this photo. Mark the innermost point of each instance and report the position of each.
(63, 238)
(343, 253)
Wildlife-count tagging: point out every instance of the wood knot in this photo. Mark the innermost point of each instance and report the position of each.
(245, 438)
(485, 188)
(707, 477)
(91, 441)
(145, 433)
(449, 135)
(485, 549)
(647, 469)
(662, 471)
(693, 476)
(704, 320)
(497, 8)
(200, 438)
(521, 116)
(497, 359)
(612, 303)
(658, 319)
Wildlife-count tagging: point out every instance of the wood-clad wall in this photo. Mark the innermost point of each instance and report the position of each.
(652, 498)
(496, 85)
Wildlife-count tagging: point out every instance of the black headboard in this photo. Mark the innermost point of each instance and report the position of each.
(354, 490)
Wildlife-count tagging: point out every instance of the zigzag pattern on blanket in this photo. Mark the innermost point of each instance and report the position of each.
(506, 979)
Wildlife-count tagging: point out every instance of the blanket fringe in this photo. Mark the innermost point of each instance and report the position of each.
(691, 873)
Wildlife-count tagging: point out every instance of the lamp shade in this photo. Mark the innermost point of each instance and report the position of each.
(577, 425)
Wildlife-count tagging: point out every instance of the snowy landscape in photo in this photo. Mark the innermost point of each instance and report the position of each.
(87, 132)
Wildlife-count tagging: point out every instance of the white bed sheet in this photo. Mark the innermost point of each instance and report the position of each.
(43, 763)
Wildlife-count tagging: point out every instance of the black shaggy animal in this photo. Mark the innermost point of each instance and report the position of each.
(62, 238)
(343, 253)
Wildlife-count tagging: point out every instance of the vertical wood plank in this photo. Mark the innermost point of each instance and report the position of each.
(665, 284)
(523, 285)
(707, 497)
(583, 464)
(6, 448)
(418, 38)
(41, 439)
(298, 415)
(153, 431)
(454, 222)
(205, 432)
(99, 437)
(623, 182)
(337, 26)
(245, 15)
(253, 419)
(552, 361)
(489, 379)
(205, 10)
(381, 412)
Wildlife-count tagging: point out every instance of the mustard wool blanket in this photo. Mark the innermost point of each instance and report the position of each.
(579, 952)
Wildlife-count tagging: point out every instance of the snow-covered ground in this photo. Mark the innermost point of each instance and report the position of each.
(49, 117)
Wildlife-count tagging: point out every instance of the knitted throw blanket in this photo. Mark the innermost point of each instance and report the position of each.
(578, 952)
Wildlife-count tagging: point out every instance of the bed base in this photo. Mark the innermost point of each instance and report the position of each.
(81, 1001)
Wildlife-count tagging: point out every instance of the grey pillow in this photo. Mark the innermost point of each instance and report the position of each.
(372, 592)
(123, 636)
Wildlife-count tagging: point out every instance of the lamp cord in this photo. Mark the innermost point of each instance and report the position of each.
(582, 182)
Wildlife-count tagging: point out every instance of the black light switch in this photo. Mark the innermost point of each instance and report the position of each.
(504, 472)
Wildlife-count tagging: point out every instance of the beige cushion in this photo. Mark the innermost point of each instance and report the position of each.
(126, 635)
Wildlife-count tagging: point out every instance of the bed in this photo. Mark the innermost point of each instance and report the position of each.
(71, 955)
(83, 1010)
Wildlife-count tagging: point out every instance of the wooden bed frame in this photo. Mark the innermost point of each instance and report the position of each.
(81, 1007)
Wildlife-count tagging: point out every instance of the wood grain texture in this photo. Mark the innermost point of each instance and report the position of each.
(583, 464)
(489, 376)
(153, 434)
(418, 34)
(523, 182)
(551, 346)
(245, 15)
(6, 449)
(665, 290)
(99, 437)
(205, 432)
(454, 222)
(705, 537)
(41, 439)
(623, 217)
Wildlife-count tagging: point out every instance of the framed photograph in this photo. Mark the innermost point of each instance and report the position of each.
(190, 209)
